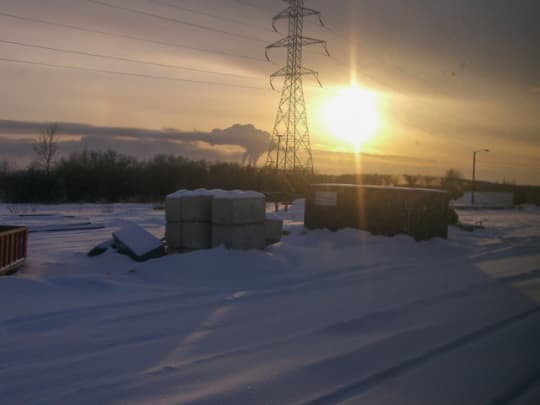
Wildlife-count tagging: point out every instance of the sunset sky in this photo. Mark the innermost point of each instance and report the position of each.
(445, 77)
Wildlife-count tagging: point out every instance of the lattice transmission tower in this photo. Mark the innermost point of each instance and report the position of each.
(290, 147)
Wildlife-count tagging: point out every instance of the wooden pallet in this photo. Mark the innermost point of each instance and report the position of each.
(13, 248)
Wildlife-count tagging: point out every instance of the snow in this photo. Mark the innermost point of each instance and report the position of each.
(485, 199)
(321, 316)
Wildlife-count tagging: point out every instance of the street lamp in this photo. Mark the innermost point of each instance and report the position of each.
(474, 172)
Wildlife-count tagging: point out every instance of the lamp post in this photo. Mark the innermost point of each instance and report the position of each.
(474, 173)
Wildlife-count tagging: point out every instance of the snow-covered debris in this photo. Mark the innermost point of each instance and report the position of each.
(138, 243)
(100, 248)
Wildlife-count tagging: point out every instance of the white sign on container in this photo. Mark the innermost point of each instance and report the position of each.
(326, 198)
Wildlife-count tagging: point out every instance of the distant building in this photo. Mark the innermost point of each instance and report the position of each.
(485, 199)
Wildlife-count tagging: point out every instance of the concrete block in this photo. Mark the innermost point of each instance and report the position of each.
(173, 207)
(241, 237)
(196, 207)
(273, 227)
(173, 234)
(238, 208)
(196, 235)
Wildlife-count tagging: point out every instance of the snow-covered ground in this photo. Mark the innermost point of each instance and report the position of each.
(321, 317)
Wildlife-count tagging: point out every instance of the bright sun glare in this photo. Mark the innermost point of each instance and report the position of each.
(352, 115)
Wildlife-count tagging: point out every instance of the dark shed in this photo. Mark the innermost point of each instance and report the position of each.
(421, 213)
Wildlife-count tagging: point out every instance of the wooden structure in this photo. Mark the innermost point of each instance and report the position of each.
(13, 245)
(420, 213)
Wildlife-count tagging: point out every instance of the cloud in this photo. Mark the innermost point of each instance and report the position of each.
(237, 143)
(333, 162)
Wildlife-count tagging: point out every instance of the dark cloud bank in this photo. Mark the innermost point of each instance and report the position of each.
(238, 143)
(242, 143)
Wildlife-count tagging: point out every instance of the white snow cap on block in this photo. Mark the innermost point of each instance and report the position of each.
(236, 206)
(236, 194)
(217, 193)
(193, 193)
(176, 195)
(137, 239)
(189, 206)
(196, 206)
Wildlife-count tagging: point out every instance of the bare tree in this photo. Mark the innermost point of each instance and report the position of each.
(453, 182)
(46, 146)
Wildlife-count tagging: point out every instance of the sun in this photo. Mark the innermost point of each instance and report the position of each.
(352, 115)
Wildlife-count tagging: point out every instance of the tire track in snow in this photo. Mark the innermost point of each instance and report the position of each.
(75, 312)
(356, 388)
(517, 391)
(369, 319)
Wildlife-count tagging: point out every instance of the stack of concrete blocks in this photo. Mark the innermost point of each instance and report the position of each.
(201, 219)
(188, 215)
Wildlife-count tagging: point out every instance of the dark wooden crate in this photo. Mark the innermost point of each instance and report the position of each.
(13, 247)
(421, 213)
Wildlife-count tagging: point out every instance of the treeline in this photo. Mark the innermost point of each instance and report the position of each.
(109, 176)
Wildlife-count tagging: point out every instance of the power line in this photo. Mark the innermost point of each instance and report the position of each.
(130, 37)
(175, 20)
(247, 3)
(130, 74)
(206, 14)
(122, 59)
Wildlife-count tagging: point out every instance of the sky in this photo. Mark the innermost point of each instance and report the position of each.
(448, 77)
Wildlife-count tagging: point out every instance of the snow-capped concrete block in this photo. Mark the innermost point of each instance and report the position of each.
(173, 234)
(240, 237)
(173, 206)
(189, 206)
(196, 235)
(238, 208)
(273, 227)
(139, 244)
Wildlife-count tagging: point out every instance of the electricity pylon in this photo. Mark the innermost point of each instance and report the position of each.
(290, 147)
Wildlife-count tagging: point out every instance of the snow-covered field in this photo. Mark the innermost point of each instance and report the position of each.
(321, 317)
